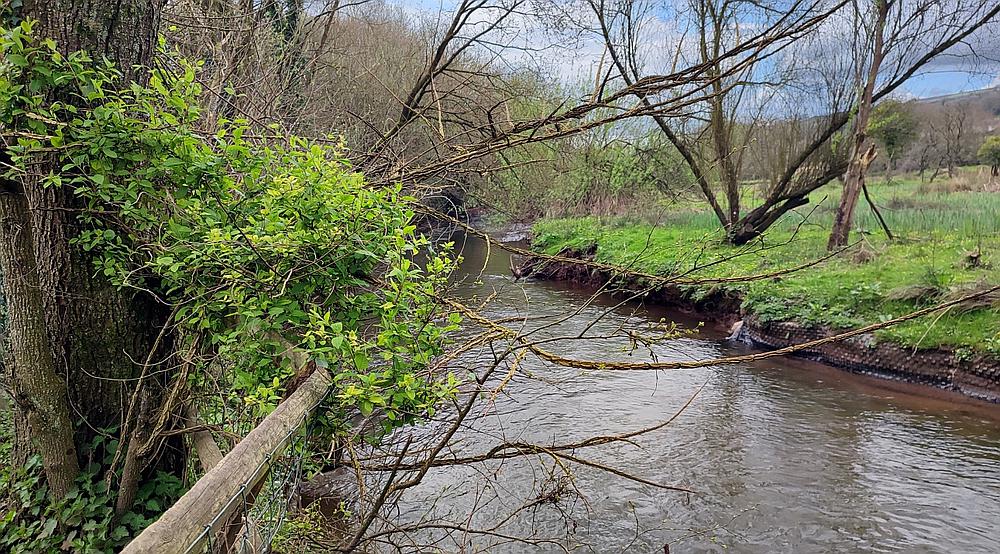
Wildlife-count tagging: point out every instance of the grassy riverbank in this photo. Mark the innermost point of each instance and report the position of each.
(937, 227)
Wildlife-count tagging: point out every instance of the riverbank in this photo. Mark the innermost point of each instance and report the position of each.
(764, 443)
(958, 349)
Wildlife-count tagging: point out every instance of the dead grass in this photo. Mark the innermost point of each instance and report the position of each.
(985, 302)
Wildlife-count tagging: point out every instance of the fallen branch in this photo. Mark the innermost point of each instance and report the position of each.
(633, 366)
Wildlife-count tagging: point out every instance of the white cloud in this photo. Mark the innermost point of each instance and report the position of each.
(562, 43)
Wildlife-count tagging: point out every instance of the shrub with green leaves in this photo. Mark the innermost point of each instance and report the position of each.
(256, 242)
(989, 153)
(83, 521)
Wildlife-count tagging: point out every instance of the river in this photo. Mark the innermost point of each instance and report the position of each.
(783, 456)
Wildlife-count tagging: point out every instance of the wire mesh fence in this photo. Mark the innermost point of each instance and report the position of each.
(250, 520)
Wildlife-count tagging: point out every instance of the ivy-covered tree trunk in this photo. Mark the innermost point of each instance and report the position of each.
(98, 337)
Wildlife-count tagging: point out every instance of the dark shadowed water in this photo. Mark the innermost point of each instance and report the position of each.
(783, 456)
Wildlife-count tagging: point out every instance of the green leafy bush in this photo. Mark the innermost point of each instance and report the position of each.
(256, 242)
(989, 152)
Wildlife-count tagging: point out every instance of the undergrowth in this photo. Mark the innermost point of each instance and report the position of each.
(82, 521)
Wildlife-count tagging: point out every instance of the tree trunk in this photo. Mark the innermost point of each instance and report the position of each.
(937, 171)
(862, 153)
(756, 222)
(96, 335)
(39, 393)
(854, 182)
(712, 26)
(124, 31)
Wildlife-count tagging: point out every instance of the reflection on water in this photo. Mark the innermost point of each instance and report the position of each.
(783, 456)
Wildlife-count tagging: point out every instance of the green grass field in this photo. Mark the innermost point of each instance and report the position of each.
(937, 227)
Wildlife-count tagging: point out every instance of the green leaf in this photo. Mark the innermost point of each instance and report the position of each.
(48, 528)
(360, 361)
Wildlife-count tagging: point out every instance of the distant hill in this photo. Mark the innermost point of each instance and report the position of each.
(988, 99)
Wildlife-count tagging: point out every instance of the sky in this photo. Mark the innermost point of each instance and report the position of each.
(575, 61)
(939, 83)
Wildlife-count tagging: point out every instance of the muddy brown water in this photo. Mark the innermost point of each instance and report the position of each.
(783, 455)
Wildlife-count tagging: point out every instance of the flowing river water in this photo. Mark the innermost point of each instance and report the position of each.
(783, 455)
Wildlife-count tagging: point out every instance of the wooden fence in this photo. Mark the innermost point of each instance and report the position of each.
(212, 515)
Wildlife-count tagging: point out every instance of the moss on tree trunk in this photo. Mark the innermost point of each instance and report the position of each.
(96, 337)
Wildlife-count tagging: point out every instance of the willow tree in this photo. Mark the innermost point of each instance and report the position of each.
(725, 113)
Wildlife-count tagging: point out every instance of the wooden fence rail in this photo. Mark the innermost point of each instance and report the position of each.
(205, 511)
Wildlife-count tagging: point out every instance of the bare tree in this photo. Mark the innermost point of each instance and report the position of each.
(952, 130)
(862, 150)
(919, 34)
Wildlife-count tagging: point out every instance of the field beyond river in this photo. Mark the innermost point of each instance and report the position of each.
(947, 245)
